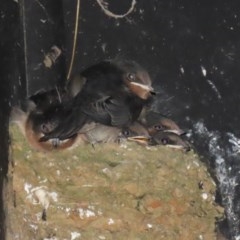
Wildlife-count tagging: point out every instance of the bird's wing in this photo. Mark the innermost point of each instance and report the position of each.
(109, 111)
(68, 126)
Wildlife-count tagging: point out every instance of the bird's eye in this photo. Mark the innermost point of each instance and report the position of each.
(164, 141)
(131, 76)
(44, 128)
(159, 127)
(126, 132)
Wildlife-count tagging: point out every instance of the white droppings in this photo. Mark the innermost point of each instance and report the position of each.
(110, 221)
(40, 195)
(204, 196)
(204, 71)
(105, 170)
(102, 237)
(43, 181)
(200, 237)
(149, 225)
(85, 213)
(54, 196)
(27, 187)
(68, 209)
(34, 227)
(58, 172)
(51, 238)
(75, 235)
(42, 198)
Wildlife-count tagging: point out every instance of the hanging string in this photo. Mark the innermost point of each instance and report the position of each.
(74, 39)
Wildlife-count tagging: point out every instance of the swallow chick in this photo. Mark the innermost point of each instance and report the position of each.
(158, 135)
(95, 133)
(155, 121)
(32, 132)
(170, 139)
(167, 139)
(113, 94)
(102, 134)
(165, 125)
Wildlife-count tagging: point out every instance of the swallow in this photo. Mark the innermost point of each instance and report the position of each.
(101, 133)
(95, 133)
(43, 99)
(165, 125)
(155, 121)
(91, 133)
(113, 94)
(167, 139)
(170, 139)
(32, 132)
(152, 136)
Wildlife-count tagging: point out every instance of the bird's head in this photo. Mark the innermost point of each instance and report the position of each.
(171, 140)
(166, 125)
(137, 133)
(35, 128)
(136, 79)
(45, 121)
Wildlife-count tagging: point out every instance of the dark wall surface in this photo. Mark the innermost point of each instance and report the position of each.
(10, 61)
(191, 49)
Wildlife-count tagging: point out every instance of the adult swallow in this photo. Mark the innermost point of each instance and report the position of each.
(114, 94)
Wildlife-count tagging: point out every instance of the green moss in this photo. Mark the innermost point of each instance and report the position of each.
(113, 192)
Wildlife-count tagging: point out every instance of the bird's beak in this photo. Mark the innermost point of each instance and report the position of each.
(179, 132)
(184, 147)
(140, 139)
(141, 90)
